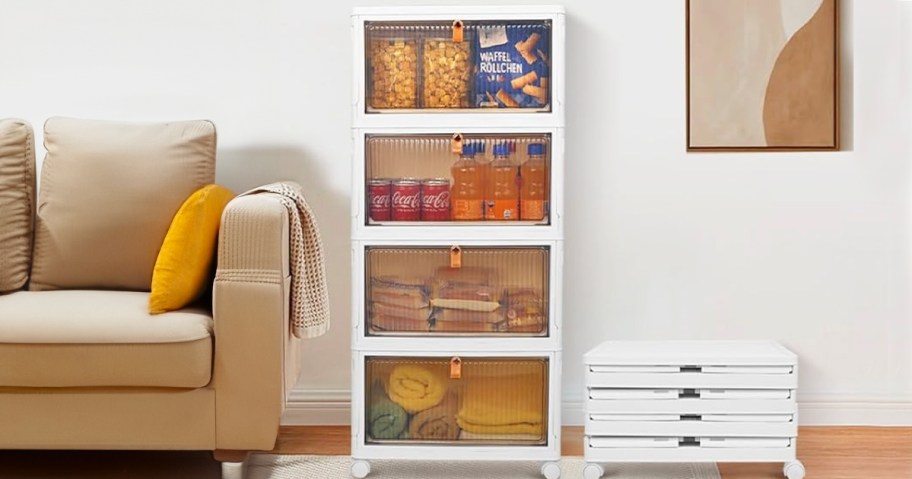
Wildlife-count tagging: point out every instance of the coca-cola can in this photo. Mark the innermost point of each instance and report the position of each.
(406, 200)
(435, 199)
(379, 200)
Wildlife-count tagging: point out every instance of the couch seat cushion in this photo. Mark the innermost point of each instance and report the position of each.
(101, 338)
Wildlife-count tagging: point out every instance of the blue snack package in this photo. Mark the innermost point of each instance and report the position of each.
(512, 66)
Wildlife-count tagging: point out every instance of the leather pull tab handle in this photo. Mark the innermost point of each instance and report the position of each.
(458, 28)
(457, 143)
(456, 257)
(456, 368)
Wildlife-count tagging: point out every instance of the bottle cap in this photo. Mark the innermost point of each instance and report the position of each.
(536, 149)
(501, 149)
(468, 148)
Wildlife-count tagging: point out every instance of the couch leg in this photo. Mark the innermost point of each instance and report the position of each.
(232, 463)
(232, 470)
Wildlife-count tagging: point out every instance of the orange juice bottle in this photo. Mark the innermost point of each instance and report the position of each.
(484, 164)
(534, 192)
(466, 193)
(503, 186)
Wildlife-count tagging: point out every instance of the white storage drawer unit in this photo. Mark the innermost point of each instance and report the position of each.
(691, 401)
(457, 234)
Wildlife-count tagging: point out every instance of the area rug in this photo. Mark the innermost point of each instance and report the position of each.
(267, 466)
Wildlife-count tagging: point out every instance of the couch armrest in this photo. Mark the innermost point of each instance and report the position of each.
(251, 314)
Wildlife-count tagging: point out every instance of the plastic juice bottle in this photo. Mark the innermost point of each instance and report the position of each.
(485, 166)
(502, 182)
(534, 193)
(466, 192)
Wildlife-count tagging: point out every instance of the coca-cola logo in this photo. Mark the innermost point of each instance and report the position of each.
(380, 201)
(406, 201)
(439, 201)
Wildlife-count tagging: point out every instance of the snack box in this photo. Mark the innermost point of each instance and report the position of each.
(512, 66)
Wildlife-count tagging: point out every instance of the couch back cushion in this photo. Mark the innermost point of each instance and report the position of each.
(17, 202)
(107, 195)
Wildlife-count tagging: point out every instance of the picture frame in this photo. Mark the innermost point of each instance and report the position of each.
(762, 76)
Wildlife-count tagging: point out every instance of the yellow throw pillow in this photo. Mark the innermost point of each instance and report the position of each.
(182, 268)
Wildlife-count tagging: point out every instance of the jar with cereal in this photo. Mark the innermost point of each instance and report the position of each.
(446, 71)
(393, 75)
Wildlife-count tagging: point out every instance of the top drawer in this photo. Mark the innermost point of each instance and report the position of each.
(692, 377)
(464, 61)
(457, 65)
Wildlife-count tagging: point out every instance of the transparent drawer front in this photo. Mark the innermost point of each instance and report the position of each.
(457, 65)
(458, 179)
(456, 400)
(457, 291)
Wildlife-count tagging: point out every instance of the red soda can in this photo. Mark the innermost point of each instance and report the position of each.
(435, 199)
(378, 197)
(406, 200)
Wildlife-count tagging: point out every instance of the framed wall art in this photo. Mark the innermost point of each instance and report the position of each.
(762, 75)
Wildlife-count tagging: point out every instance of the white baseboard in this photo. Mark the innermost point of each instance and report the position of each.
(856, 411)
(325, 407)
(332, 407)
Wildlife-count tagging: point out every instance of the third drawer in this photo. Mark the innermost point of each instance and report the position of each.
(690, 427)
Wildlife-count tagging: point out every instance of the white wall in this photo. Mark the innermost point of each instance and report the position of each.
(810, 249)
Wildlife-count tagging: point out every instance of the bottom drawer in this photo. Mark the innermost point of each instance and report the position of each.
(689, 449)
(688, 442)
(456, 401)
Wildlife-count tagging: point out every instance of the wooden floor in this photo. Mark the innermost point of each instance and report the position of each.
(828, 453)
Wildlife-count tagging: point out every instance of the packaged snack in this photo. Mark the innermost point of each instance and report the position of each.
(463, 321)
(397, 291)
(465, 296)
(386, 317)
(393, 80)
(512, 66)
(460, 321)
(446, 73)
(525, 310)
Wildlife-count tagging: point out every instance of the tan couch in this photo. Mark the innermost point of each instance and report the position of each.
(83, 365)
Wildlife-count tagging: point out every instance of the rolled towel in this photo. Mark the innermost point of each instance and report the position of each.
(438, 422)
(386, 419)
(416, 388)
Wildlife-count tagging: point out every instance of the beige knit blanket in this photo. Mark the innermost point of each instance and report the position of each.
(309, 297)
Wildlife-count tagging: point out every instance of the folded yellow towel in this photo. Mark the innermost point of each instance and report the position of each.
(515, 438)
(503, 405)
(416, 388)
(527, 430)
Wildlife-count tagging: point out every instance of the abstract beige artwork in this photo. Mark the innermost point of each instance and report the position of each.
(762, 75)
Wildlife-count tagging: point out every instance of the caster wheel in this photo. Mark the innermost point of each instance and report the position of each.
(593, 471)
(360, 469)
(551, 470)
(793, 470)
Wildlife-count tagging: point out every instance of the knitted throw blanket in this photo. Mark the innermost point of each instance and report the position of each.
(309, 298)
